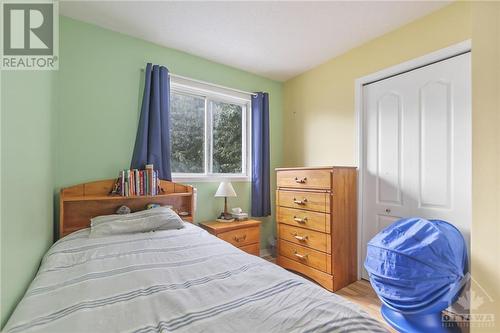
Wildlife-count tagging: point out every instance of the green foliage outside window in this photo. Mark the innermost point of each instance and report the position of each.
(226, 138)
(187, 135)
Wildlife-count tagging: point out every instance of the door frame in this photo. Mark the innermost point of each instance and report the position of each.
(430, 58)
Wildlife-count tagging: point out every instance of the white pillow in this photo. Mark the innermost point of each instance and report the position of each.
(161, 218)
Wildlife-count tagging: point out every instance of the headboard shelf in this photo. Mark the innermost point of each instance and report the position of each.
(80, 203)
(133, 197)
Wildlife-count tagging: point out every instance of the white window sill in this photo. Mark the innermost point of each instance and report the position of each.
(208, 179)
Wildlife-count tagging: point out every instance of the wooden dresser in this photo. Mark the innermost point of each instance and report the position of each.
(316, 222)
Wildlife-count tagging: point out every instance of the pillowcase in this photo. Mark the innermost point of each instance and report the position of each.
(161, 218)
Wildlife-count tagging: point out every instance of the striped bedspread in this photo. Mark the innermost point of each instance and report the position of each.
(174, 281)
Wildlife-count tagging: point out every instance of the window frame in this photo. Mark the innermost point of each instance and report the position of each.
(217, 94)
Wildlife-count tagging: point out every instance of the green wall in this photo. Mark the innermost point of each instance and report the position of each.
(79, 124)
(26, 179)
(99, 103)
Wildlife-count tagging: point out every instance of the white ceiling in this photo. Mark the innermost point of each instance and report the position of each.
(276, 39)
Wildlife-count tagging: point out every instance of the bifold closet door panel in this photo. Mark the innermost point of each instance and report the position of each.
(417, 147)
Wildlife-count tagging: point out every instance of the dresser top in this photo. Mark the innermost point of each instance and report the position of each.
(316, 168)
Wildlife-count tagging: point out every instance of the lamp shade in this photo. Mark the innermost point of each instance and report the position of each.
(225, 190)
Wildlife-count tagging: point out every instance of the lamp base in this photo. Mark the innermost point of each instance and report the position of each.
(225, 216)
(224, 220)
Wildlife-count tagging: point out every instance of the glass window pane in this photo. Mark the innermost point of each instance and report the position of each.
(227, 137)
(187, 133)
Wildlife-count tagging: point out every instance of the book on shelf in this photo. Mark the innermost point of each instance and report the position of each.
(136, 182)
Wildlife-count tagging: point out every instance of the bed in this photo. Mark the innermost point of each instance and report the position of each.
(182, 280)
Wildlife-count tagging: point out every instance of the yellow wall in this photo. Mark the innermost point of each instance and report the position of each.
(319, 119)
(320, 129)
(485, 232)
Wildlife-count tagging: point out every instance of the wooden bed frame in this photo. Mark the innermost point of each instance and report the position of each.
(80, 203)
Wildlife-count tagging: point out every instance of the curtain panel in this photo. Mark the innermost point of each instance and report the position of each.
(152, 144)
(261, 195)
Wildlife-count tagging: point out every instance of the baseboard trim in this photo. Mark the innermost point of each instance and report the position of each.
(265, 252)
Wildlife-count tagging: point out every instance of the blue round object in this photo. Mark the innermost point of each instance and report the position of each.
(418, 323)
(417, 267)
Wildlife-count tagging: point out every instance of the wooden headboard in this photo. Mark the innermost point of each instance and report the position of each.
(80, 203)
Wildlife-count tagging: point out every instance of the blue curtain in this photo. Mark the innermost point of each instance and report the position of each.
(261, 195)
(152, 144)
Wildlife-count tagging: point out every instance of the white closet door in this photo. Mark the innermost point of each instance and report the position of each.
(418, 147)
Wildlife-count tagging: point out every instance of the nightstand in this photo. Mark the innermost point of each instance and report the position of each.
(245, 235)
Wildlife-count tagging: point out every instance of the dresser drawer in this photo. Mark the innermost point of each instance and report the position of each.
(311, 239)
(306, 256)
(241, 237)
(316, 201)
(310, 179)
(324, 279)
(304, 219)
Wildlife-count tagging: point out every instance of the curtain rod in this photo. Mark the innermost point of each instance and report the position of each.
(208, 83)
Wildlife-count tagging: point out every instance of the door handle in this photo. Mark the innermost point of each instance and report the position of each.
(300, 202)
(300, 180)
(300, 220)
(300, 256)
(240, 238)
(299, 238)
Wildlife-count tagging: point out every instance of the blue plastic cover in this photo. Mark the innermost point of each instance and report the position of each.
(417, 265)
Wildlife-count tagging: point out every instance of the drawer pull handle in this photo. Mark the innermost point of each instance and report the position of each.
(299, 202)
(300, 256)
(299, 238)
(301, 180)
(240, 238)
(300, 220)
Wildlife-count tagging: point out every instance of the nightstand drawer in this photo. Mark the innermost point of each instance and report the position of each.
(309, 257)
(304, 219)
(241, 237)
(315, 201)
(311, 239)
(251, 249)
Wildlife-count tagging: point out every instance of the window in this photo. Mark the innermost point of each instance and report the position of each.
(209, 131)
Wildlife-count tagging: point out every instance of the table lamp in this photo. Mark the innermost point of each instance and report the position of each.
(225, 190)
